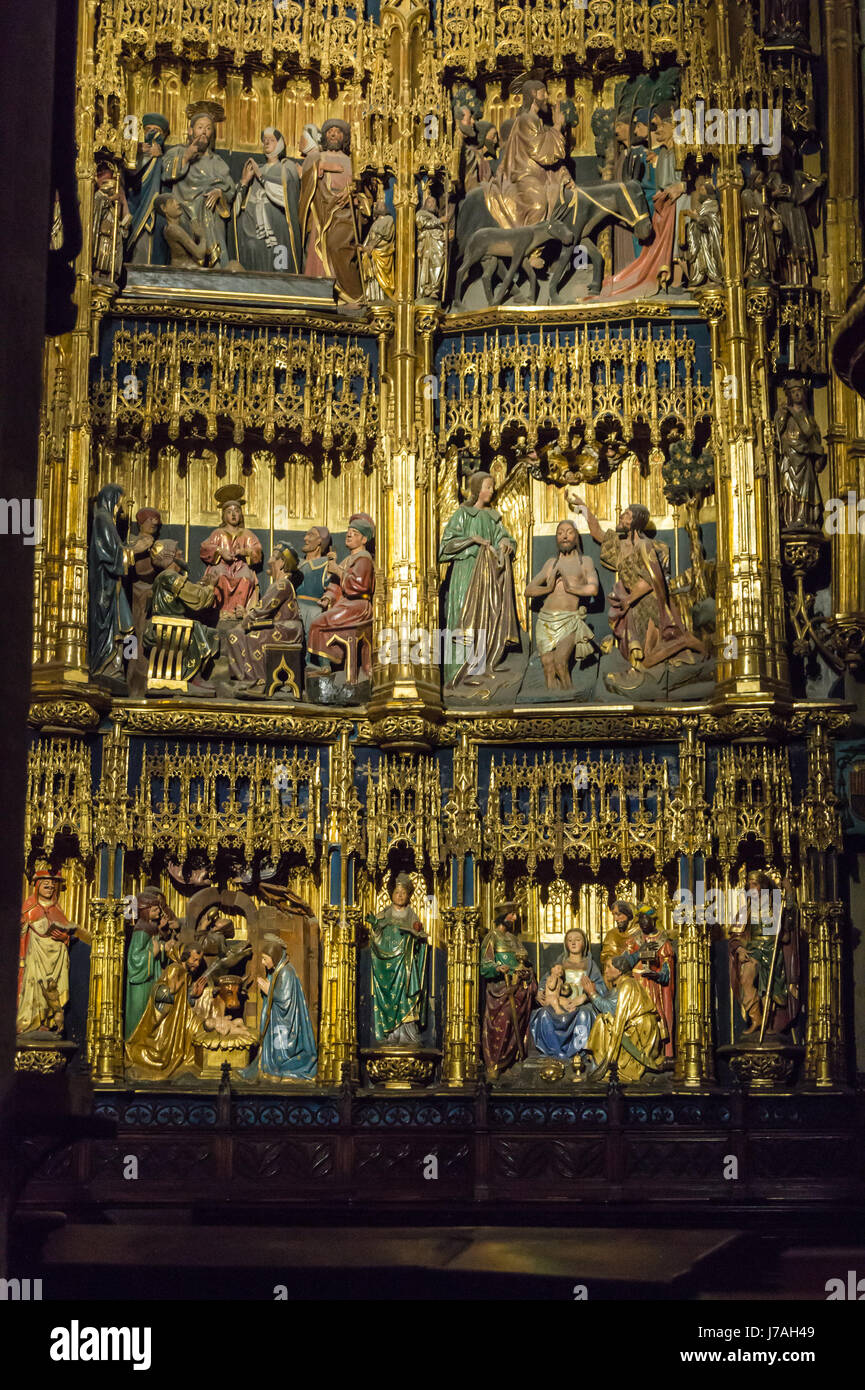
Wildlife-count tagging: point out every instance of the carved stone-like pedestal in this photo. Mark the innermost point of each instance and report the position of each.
(42, 1052)
(399, 1068)
(767, 1066)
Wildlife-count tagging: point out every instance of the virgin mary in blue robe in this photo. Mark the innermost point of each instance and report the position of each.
(564, 1034)
(288, 1051)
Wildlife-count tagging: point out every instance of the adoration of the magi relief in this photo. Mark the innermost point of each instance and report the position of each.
(449, 613)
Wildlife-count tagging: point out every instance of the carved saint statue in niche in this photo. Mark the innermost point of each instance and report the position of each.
(431, 251)
(480, 596)
(186, 240)
(561, 1025)
(701, 228)
(343, 632)
(43, 969)
(150, 946)
(162, 1045)
(176, 596)
(763, 229)
(144, 188)
(378, 252)
(312, 576)
(801, 458)
(108, 612)
(511, 987)
(266, 209)
(287, 1050)
(764, 957)
(112, 221)
(561, 632)
(627, 1029)
(398, 946)
(327, 214)
(655, 969)
(275, 618)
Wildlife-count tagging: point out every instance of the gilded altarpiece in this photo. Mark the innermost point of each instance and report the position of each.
(440, 642)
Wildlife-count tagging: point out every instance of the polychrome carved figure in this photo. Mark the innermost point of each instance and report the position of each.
(398, 944)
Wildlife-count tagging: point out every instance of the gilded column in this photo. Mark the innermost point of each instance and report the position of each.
(338, 1039)
(105, 1000)
(751, 641)
(689, 833)
(461, 1055)
(845, 437)
(406, 692)
(340, 921)
(825, 1063)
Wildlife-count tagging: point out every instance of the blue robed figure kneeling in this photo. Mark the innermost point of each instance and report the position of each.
(561, 1026)
(288, 1051)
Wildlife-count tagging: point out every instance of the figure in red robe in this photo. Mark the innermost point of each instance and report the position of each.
(43, 961)
(338, 633)
(229, 552)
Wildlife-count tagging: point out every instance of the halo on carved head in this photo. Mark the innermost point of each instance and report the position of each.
(214, 109)
(515, 88)
(228, 494)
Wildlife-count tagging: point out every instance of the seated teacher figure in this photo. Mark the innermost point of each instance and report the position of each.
(561, 1026)
(626, 1030)
(288, 1051)
(275, 618)
(343, 632)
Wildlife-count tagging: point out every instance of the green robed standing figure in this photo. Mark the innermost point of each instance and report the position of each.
(398, 944)
(480, 597)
